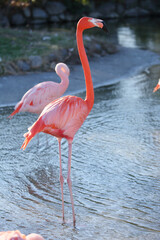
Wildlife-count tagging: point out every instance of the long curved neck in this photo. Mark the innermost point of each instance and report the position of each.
(86, 69)
(64, 83)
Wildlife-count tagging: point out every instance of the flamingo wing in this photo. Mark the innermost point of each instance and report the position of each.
(39, 96)
(66, 114)
(61, 118)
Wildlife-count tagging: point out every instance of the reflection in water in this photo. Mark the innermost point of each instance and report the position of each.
(126, 37)
(140, 32)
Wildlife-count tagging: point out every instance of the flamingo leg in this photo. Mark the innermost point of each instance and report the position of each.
(69, 180)
(61, 177)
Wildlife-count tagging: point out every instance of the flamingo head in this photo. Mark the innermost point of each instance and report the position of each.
(61, 68)
(157, 86)
(89, 22)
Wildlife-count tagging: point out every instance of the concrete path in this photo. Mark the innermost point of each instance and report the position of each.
(105, 71)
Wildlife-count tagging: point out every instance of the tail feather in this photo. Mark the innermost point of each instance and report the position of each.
(33, 130)
(16, 110)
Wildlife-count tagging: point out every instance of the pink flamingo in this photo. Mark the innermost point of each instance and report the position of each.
(157, 86)
(17, 235)
(36, 98)
(63, 117)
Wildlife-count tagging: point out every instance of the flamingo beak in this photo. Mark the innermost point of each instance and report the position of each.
(156, 88)
(104, 28)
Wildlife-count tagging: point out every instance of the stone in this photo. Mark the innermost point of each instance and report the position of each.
(55, 8)
(73, 57)
(18, 19)
(69, 17)
(10, 69)
(94, 48)
(4, 22)
(120, 9)
(136, 12)
(39, 13)
(110, 48)
(27, 12)
(52, 66)
(149, 5)
(38, 21)
(35, 61)
(106, 8)
(54, 19)
(62, 16)
(2, 69)
(23, 65)
(131, 3)
(63, 53)
(112, 15)
(51, 57)
(46, 38)
(96, 14)
(143, 12)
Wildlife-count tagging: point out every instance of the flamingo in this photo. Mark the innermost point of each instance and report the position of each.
(17, 235)
(63, 117)
(36, 98)
(157, 86)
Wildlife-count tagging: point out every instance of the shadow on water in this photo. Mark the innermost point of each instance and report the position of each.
(115, 169)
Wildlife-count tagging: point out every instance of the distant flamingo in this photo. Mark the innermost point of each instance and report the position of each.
(157, 86)
(36, 98)
(17, 235)
(63, 117)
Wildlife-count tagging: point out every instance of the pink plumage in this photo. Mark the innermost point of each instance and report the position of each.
(63, 117)
(36, 98)
(17, 235)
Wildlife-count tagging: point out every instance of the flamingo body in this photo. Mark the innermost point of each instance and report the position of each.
(36, 98)
(63, 117)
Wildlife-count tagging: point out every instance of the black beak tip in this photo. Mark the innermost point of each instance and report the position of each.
(105, 28)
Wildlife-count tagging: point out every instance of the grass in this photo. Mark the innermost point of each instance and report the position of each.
(17, 43)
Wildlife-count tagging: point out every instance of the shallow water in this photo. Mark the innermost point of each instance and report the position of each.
(115, 169)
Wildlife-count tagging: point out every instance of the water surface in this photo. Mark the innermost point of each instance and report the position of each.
(115, 169)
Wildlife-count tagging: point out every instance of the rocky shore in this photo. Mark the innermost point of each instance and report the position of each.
(56, 12)
(94, 48)
(52, 12)
(106, 70)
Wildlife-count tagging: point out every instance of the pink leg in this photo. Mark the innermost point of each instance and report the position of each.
(69, 179)
(61, 177)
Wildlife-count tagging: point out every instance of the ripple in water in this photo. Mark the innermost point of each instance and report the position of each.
(115, 170)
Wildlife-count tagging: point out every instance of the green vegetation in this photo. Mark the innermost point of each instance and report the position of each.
(41, 2)
(17, 43)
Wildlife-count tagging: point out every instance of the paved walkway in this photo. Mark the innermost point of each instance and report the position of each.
(105, 71)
